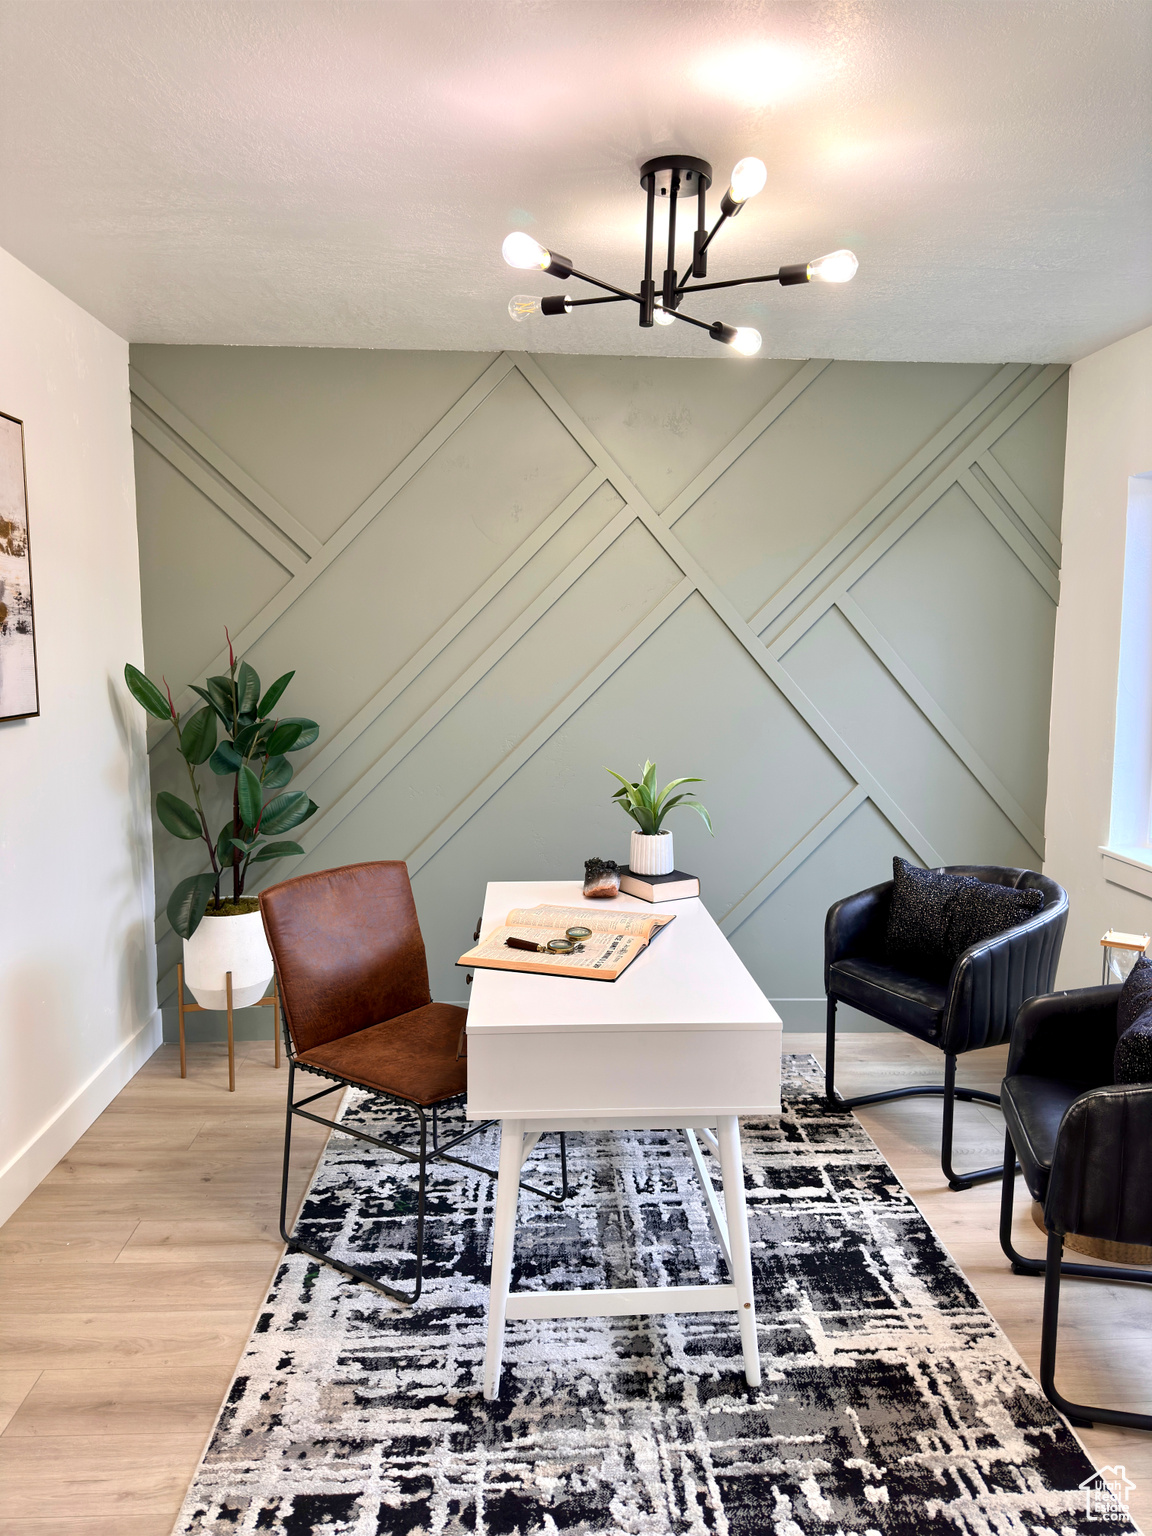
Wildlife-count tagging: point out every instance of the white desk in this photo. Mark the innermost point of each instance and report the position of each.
(684, 1040)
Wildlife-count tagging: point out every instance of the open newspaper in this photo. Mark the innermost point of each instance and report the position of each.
(615, 941)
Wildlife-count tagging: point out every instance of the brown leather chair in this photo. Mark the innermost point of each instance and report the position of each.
(353, 982)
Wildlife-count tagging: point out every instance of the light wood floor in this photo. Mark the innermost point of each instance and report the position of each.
(131, 1278)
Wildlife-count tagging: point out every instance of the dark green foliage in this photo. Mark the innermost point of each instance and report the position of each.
(146, 692)
(177, 815)
(253, 754)
(187, 902)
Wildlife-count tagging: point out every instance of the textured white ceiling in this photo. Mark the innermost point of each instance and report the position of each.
(319, 173)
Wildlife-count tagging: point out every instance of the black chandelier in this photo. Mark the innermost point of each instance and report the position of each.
(669, 177)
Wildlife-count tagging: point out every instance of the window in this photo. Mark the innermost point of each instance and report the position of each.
(1130, 832)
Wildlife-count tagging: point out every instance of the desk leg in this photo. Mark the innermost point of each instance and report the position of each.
(736, 1209)
(503, 1242)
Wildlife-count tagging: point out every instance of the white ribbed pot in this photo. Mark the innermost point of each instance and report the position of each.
(651, 855)
(223, 944)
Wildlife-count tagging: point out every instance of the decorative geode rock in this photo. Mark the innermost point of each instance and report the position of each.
(601, 878)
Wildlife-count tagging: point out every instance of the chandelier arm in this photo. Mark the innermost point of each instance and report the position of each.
(733, 282)
(608, 298)
(611, 287)
(700, 238)
(690, 319)
(647, 286)
(705, 243)
(669, 284)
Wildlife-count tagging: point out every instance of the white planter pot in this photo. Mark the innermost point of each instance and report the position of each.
(223, 944)
(651, 855)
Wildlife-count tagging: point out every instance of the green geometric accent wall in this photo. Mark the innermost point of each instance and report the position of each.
(828, 588)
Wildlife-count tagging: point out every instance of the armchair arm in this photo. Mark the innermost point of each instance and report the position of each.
(991, 979)
(857, 925)
(1102, 1167)
(1069, 1035)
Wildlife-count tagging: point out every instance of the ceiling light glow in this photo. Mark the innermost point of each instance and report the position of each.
(747, 179)
(520, 250)
(837, 267)
(757, 75)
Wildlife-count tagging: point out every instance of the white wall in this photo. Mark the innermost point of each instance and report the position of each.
(1109, 440)
(77, 970)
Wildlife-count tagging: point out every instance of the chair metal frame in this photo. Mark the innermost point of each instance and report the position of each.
(949, 1091)
(423, 1157)
(1054, 1268)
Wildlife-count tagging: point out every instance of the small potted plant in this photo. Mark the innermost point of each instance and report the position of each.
(222, 928)
(648, 805)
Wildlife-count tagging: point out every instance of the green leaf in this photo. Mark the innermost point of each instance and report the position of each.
(198, 738)
(673, 784)
(309, 731)
(670, 805)
(224, 844)
(247, 689)
(284, 737)
(225, 759)
(287, 811)
(277, 773)
(246, 845)
(649, 777)
(187, 902)
(220, 691)
(246, 738)
(627, 787)
(704, 816)
(177, 815)
(251, 796)
(225, 720)
(146, 693)
(270, 700)
(277, 851)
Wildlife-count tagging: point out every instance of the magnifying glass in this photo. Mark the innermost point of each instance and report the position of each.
(572, 941)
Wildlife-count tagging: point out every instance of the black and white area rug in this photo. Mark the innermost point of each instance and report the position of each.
(891, 1402)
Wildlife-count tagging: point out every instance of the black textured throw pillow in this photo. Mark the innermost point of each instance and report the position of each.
(918, 918)
(935, 917)
(1132, 1062)
(985, 910)
(1135, 996)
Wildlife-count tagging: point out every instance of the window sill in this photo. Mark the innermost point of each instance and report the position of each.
(1129, 867)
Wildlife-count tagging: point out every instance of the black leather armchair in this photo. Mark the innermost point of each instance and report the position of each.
(1085, 1150)
(974, 1009)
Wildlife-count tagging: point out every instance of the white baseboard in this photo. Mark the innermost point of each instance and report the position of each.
(53, 1141)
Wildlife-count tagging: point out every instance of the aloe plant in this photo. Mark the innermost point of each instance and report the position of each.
(252, 752)
(648, 805)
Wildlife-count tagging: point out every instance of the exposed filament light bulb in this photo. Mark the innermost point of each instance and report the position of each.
(661, 315)
(746, 341)
(520, 250)
(837, 267)
(521, 305)
(741, 338)
(748, 178)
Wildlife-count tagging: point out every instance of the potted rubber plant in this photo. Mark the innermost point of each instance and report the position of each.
(648, 805)
(242, 738)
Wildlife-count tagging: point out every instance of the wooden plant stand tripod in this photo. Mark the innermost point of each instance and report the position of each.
(270, 1001)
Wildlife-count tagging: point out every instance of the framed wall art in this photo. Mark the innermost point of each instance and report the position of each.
(19, 691)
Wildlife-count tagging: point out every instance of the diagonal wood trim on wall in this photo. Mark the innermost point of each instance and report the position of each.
(956, 455)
